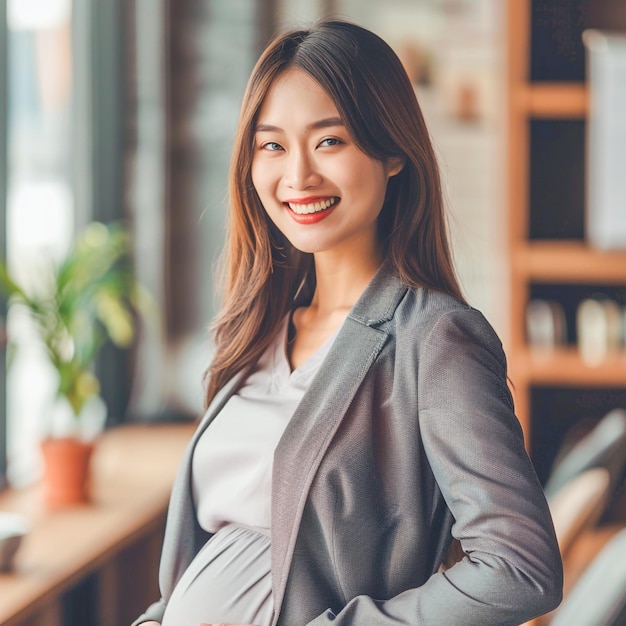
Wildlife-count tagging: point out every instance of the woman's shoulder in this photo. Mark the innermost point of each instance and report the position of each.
(428, 306)
(428, 312)
(436, 302)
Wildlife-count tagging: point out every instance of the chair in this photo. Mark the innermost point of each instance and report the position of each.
(599, 596)
(604, 446)
(579, 504)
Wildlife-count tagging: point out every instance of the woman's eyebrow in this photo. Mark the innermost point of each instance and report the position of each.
(325, 123)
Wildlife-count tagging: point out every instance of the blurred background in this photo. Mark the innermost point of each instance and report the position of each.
(126, 110)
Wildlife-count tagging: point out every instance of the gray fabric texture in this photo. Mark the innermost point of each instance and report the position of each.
(405, 439)
(229, 581)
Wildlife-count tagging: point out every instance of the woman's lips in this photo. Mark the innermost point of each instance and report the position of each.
(311, 210)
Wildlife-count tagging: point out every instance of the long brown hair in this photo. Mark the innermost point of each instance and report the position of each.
(262, 272)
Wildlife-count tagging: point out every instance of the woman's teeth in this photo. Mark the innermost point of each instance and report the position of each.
(313, 207)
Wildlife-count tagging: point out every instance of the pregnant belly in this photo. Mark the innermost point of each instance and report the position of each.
(229, 581)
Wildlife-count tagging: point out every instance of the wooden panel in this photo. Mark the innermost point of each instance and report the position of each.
(110, 579)
(552, 100)
(564, 367)
(50, 615)
(569, 262)
(517, 171)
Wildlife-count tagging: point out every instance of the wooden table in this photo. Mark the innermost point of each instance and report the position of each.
(96, 563)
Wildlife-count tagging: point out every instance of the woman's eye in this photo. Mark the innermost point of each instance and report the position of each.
(330, 141)
(272, 146)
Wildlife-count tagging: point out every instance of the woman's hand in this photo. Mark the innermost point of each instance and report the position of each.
(152, 623)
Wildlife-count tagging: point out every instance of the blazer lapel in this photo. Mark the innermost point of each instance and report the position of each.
(311, 429)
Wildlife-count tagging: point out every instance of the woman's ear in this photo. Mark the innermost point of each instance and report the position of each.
(395, 165)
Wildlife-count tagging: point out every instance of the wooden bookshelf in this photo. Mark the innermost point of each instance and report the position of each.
(545, 100)
(555, 389)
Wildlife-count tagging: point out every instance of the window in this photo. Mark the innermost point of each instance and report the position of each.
(63, 156)
(40, 201)
(3, 172)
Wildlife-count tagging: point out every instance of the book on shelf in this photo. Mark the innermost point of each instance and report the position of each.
(606, 139)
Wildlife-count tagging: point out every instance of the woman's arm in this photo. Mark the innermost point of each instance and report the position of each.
(512, 571)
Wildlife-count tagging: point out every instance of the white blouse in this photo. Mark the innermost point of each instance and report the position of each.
(232, 461)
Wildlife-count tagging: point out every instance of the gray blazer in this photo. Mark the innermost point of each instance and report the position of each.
(405, 439)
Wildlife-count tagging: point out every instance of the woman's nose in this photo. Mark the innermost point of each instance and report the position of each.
(301, 172)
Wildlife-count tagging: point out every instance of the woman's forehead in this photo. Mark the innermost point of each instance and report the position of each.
(295, 96)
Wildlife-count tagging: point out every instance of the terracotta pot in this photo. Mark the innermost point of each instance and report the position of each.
(66, 471)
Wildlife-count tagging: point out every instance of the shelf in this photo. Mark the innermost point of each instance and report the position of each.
(569, 262)
(564, 367)
(553, 100)
(549, 106)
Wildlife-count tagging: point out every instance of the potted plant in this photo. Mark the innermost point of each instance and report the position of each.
(77, 304)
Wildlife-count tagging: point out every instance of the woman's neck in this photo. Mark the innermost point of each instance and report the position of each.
(340, 283)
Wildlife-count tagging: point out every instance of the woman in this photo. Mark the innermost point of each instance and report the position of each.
(352, 387)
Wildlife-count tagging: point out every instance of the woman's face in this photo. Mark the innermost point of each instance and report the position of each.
(320, 190)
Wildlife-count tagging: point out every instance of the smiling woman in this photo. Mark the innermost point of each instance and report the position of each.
(358, 424)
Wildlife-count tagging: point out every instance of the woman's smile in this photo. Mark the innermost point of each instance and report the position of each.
(306, 206)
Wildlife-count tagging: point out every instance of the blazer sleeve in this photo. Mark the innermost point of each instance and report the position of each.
(512, 570)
